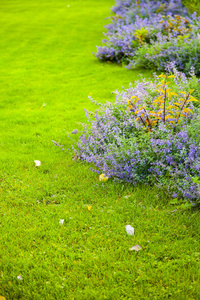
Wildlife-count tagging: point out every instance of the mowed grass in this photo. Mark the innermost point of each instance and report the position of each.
(46, 58)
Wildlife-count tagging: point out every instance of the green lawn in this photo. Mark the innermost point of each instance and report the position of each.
(46, 58)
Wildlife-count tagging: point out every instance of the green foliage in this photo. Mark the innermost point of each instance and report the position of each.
(192, 6)
(194, 129)
(155, 56)
(141, 35)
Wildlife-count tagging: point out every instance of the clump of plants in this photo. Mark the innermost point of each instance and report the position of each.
(148, 135)
(152, 33)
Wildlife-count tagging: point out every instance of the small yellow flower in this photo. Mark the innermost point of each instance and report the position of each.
(103, 178)
(89, 207)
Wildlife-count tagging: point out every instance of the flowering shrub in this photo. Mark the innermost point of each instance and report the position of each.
(152, 33)
(150, 139)
(145, 8)
(184, 52)
(168, 107)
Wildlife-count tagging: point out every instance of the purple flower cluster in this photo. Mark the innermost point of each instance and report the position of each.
(120, 147)
(145, 8)
(107, 144)
(160, 31)
(177, 161)
(183, 51)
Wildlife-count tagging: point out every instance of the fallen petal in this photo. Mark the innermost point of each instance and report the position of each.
(135, 248)
(61, 221)
(37, 163)
(130, 230)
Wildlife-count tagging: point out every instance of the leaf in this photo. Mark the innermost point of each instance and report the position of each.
(195, 179)
(136, 100)
(162, 91)
(192, 99)
(168, 117)
(129, 107)
(174, 94)
(184, 93)
(170, 106)
(191, 91)
(153, 123)
(171, 112)
(187, 110)
(185, 206)
(174, 201)
(152, 112)
(133, 97)
(89, 207)
(160, 98)
(135, 248)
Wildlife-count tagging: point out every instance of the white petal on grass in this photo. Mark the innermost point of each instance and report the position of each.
(19, 277)
(135, 248)
(130, 230)
(37, 163)
(61, 221)
(126, 197)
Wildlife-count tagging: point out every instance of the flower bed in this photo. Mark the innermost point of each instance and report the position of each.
(149, 135)
(152, 33)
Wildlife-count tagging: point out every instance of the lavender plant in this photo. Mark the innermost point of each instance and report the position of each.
(152, 33)
(148, 8)
(183, 51)
(150, 138)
